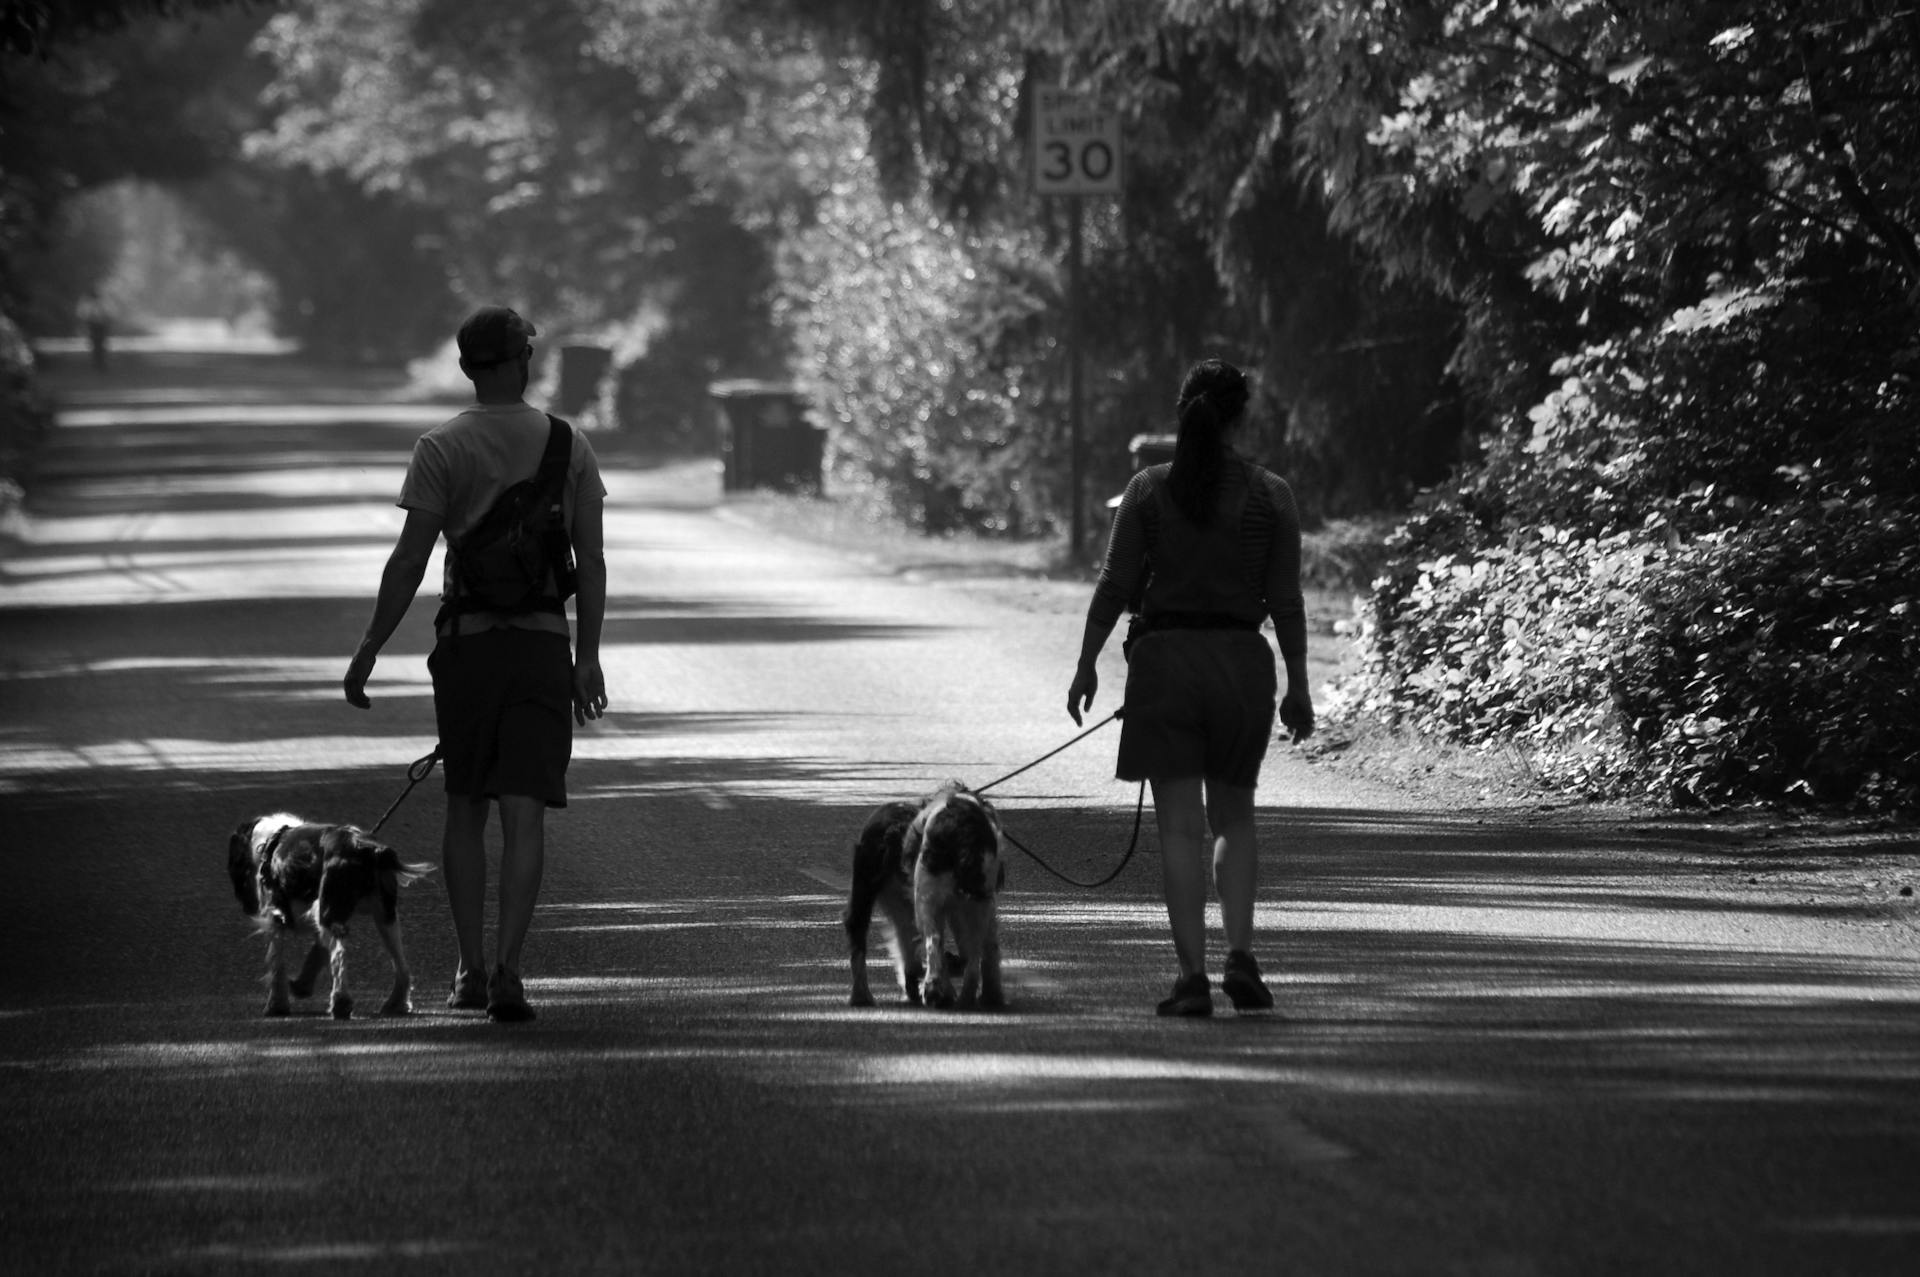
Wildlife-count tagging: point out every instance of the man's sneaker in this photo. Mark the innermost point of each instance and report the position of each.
(1243, 984)
(469, 991)
(1192, 995)
(506, 998)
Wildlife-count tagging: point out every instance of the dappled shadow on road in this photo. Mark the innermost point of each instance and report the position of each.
(1604, 1028)
(657, 620)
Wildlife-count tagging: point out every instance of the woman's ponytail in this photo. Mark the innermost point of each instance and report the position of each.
(1212, 397)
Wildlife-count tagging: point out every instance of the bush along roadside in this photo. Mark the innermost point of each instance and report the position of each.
(25, 415)
(1692, 573)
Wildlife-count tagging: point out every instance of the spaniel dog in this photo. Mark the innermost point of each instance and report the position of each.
(296, 879)
(933, 867)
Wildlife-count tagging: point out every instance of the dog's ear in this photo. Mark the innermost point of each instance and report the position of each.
(348, 873)
(911, 842)
(342, 884)
(240, 867)
(388, 873)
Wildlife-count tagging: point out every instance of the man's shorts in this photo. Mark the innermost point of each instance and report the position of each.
(503, 700)
(1199, 703)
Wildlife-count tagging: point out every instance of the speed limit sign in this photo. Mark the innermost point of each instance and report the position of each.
(1076, 145)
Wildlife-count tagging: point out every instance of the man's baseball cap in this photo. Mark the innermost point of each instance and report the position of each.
(492, 335)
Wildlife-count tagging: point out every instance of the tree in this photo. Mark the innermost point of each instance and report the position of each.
(91, 94)
(42, 27)
(1683, 238)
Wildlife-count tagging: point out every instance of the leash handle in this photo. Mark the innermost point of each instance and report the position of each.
(418, 770)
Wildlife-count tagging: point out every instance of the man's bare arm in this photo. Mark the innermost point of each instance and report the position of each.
(399, 583)
(590, 611)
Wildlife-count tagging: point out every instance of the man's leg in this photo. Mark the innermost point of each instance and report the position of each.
(523, 829)
(1180, 813)
(463, 863)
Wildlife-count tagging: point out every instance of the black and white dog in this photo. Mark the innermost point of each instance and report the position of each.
(299, 880)
(933, 867)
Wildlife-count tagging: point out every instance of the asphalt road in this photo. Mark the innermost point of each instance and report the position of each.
(1506, 1045)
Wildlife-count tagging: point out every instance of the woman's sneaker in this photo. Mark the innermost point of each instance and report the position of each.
(469, 991)
(1192, 995)
(507, 998)
(1243, 984)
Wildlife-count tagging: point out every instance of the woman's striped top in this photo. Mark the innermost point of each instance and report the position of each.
(1269, 544)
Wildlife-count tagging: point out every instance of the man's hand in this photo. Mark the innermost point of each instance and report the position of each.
(358, 671)
(589, 692)
(1296, 715)
(1080, 694)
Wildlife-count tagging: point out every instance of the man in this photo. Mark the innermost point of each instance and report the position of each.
(503, 682)
(98, 322)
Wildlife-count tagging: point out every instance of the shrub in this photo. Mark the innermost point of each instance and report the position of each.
(912, 337)
(1691, 571)
(1777, 661)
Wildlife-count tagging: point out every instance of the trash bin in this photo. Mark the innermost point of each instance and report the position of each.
(581, 368)
(1146, 450)
(765, 440)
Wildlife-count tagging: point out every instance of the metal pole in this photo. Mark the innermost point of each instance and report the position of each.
(1075, 405)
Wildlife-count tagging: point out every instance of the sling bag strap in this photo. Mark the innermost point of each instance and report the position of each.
(553, 462)
(549, 480)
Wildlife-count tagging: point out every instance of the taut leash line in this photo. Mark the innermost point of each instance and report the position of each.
(1044, 757)
(417, 771)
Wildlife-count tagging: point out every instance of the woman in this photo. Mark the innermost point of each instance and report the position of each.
(1210, 544)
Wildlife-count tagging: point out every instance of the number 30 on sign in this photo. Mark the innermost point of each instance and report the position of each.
(1076, 145)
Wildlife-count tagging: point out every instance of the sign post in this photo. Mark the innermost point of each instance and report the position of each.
(1076, 150)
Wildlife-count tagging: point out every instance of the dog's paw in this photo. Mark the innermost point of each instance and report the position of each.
(398, 1003)
(861, 997)
(937, 993)
(992, 1000)
(341, 1006)
(278, 1006)
(301, 987)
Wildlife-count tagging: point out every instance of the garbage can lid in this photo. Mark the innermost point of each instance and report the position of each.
(751, 388)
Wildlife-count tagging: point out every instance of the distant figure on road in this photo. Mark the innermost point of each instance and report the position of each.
(503, 678)
(98, 322)
(1212, 545)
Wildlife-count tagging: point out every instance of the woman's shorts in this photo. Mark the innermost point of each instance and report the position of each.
(1199, 703)
(503, 700)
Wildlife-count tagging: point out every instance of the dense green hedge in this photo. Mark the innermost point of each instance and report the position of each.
(1692, 571)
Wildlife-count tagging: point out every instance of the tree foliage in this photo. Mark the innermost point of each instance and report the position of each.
(546, 144)
(1682, 236)
(95, 93)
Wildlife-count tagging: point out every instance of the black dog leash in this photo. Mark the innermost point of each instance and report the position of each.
(1138, 808)
(1132, 846)
(417, 771)
(1044, 757)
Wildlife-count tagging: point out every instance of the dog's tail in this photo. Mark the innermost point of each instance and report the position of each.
(403, 872)
(395, 873)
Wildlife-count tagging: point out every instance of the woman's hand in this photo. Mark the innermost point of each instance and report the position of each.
(589, 691)
(1080, 694)
(1296, 714)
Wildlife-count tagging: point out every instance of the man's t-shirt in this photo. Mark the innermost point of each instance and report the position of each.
(460, 468)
